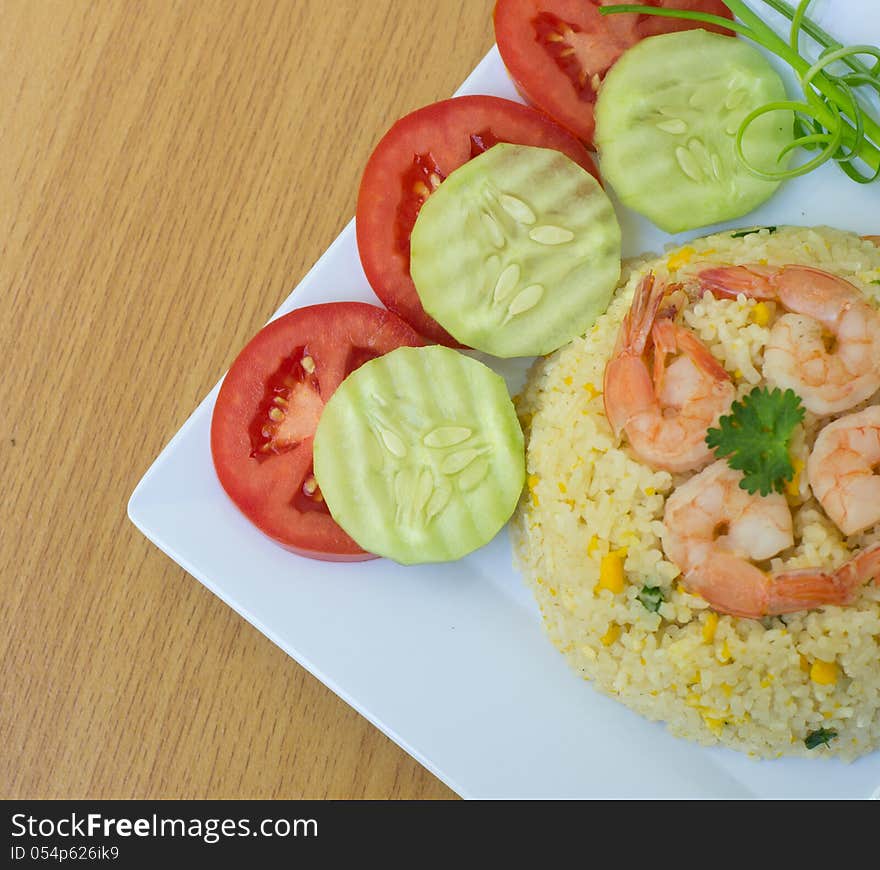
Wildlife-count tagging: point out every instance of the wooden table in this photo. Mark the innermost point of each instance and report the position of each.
(168, 172)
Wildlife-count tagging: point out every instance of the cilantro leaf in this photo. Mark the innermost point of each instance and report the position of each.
(651, 597)
(755, 437)
(821, 737)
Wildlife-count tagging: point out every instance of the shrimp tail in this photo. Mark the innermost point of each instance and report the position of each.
(808, 588)
(627, 380)
(865, 566)
(728, 282)
(636, 326)
(732, 585)
(699, 354)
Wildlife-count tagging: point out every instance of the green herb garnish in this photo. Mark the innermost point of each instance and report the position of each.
(755, 436)
(831, 116)
(822, 737)
(741, 234)
(652, 597)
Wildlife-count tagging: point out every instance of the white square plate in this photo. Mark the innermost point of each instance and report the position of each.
(451, 661)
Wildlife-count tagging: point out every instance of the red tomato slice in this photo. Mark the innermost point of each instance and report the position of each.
(411, 160)
(268, 410)
(558, 51)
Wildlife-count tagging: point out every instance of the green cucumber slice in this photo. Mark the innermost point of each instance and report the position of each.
(667, 118)
(517, 252)
(419, 455)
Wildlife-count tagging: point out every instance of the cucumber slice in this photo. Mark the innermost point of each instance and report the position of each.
(517, 252)
(666, 122)
(419, 455)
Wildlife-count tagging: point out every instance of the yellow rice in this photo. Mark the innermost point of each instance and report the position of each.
(590, 509)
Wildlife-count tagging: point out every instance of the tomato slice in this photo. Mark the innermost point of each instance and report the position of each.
(411, 160)
(268, 409)
(558, 51)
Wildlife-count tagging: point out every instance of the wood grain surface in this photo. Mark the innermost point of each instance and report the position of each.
(168, 172)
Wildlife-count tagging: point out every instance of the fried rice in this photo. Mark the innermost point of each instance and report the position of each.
(587, 535)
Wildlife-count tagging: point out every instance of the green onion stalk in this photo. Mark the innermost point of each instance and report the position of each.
(830, 119)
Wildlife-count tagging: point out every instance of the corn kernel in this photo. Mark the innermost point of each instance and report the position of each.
(824, 673)
(709, 627)
(738, 374)
(681, 258)
(533, 482)
(761, 313)
(716, 726)
(793, 486)
(611, 572)
(593, 545)
(611, 634)
(649, 490)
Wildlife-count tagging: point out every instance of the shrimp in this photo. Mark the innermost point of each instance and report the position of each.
(665, 414)
(828, 380)
(844, 470)
(713, 530)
